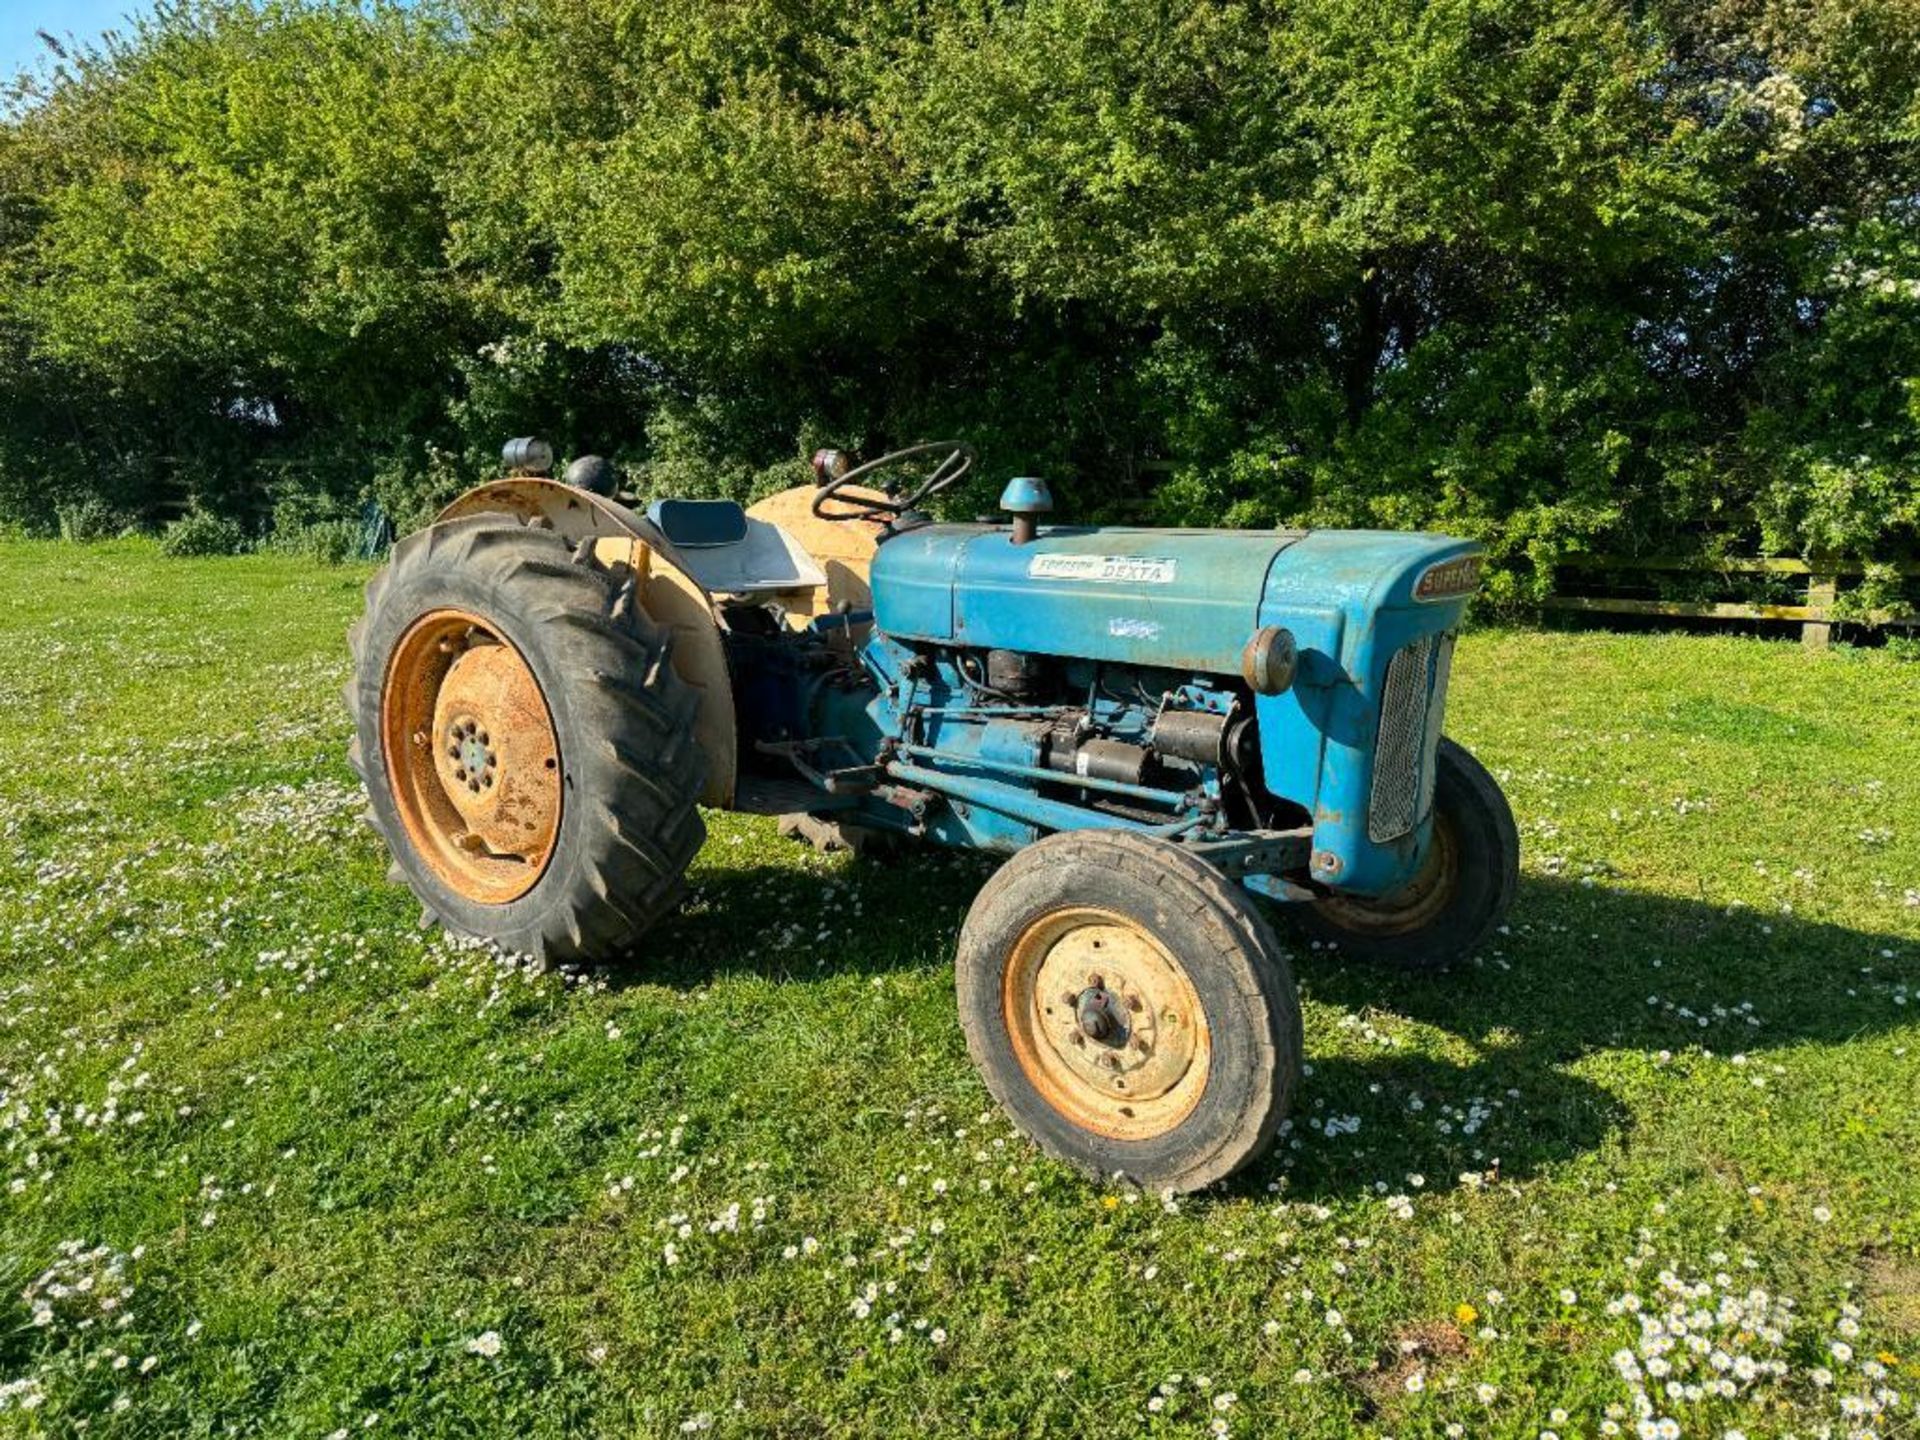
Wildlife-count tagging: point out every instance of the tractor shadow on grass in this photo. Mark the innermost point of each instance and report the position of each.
(1581, 969)
(1572, 976)
(815, 919)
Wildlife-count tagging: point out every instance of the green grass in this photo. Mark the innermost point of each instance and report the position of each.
(753, 1185)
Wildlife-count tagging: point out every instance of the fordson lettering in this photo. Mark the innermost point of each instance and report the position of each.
(1109, 569)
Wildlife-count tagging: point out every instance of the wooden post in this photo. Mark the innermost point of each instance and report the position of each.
(1822, 590)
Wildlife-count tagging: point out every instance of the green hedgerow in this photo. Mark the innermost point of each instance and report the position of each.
(200, 533)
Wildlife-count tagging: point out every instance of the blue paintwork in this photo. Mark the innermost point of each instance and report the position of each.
(1027, 495)
(971, 585)
(1347, 595)
(1185, 601)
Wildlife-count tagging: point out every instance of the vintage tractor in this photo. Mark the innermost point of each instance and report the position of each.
(1156, 725)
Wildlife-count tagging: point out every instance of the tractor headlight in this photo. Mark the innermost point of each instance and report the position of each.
(527, 456)
(1268, 661)
(829, 465)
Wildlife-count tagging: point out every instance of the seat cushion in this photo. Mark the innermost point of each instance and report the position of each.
(725, 552)
(699, 524)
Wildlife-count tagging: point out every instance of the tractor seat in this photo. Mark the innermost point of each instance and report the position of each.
(728, 553)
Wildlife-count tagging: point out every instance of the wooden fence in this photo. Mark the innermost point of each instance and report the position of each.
(1816, 617)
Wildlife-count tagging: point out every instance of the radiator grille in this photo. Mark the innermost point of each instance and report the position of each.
(1412, 710)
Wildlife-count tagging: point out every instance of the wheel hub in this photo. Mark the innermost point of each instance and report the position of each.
(1101, 1016)
(474, 757)
(1106, 1023)
(467, 744)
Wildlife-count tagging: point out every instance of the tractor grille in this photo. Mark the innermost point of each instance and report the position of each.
(1411, 713)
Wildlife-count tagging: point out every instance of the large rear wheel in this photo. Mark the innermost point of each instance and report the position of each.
(1129, 1008)
(526, 746)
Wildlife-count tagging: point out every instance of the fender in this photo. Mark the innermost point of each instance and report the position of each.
(666, 592)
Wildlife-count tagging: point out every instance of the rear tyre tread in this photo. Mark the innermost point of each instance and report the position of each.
(630, 822)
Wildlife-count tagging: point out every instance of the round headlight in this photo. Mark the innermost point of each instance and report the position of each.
(1267, 662)
(829, 465)
(593, 473)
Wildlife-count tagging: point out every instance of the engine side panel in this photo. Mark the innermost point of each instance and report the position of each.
(1189, 601)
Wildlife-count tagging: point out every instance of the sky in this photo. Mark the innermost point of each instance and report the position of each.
(83, 19)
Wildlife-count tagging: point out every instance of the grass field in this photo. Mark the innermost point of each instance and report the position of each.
(277, 1162)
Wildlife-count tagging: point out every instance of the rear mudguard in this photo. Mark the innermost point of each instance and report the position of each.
(664, 589)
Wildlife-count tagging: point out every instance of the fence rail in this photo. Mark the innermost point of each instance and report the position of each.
(1816, 618)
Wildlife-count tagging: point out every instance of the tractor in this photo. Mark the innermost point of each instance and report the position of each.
(1163, 730)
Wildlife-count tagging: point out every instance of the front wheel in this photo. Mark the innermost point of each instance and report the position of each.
(1129, 1008)
(1462, 892)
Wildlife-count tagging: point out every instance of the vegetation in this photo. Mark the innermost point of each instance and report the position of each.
(1579, 273)
(274, 1161)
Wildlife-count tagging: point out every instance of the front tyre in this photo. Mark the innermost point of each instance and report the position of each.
(1129, 1008)
(1447, 911)
(527, 749)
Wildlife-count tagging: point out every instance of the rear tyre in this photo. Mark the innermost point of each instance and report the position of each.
(526, 747)
(1463, 889)
(1129, 1008)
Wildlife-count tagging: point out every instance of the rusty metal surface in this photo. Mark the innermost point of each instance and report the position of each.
(1105, 1023)
(472, 757)
(1411, 908)
(576, 514)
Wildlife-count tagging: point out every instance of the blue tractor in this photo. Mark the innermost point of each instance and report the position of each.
(1155, 726)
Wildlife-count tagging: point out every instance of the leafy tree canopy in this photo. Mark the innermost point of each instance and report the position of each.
(1560, 275)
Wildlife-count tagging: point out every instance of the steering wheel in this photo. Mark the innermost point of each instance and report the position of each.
(952, 468)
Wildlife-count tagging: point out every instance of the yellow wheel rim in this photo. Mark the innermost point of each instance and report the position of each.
(1105, 1023)
(471, 756)
(1413, 907)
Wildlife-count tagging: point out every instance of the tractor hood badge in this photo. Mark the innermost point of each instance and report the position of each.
(1109, 569)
